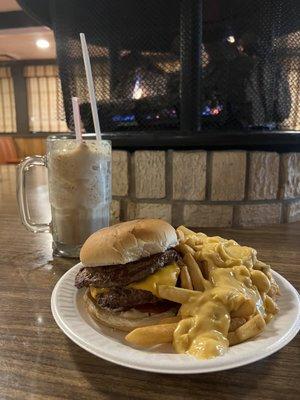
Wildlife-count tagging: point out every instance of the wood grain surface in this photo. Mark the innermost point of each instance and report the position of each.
(37, 361)
(29, 147)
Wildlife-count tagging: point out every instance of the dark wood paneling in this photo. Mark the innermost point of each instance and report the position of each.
(269, 141)
(30, 147)
(16, 19)
(20, 90)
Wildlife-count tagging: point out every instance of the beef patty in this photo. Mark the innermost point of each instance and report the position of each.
(122, 298)
(122, 275)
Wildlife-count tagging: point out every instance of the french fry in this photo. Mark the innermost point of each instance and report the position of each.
(198, 248)
(184, 249)
(274, 286)
(172, 293)
(191, 241)
(185, 278)
(201, 235)
(273, 291)
(205, 269)
(152, 335)
(198, 281)
(198, 255)
(186, 231)
(251, 328)
(270, 305)
(261, 281)
(235, 323)
(180, 236)
(246, 309)
(261, 266)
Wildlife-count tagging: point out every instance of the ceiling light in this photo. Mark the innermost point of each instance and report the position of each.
(231, 39)
(42, 43)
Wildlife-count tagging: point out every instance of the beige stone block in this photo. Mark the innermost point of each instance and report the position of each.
(290, 185)
(228, 175)
(150, 210)
(115, 212)
(263, 175)
(150, 174)
(211, 215)
(189, 175)
(258, 214)
(293, 211)
(119, 173)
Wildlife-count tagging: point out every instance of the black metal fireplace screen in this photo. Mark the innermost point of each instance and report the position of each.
(187, 65)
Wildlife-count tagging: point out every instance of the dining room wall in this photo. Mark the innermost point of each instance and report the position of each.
(207, 188)
(200, 188)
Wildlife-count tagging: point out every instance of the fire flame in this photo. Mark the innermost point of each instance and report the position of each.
(137, 94)
(137, 90)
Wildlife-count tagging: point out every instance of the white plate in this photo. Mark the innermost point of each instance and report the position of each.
(69, 313)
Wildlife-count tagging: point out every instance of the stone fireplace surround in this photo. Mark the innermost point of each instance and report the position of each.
(207, 188)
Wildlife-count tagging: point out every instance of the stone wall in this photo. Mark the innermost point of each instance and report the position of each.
(207, 189)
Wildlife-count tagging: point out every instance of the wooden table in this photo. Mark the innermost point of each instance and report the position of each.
(37, 361)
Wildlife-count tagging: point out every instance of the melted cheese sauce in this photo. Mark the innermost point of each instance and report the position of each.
(206, 317)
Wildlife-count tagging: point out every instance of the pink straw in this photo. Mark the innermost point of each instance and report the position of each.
(76, 117)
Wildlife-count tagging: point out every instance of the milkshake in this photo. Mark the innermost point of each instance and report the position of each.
(79, 191)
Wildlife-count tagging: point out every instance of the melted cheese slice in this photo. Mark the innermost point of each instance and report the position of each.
(165, 276)
(95, 291)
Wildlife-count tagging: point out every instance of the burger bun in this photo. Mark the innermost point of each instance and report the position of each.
(125, 320)
(127, 242)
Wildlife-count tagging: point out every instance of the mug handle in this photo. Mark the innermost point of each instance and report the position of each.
(22, 168)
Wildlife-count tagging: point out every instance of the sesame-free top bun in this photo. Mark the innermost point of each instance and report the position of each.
(127, 242)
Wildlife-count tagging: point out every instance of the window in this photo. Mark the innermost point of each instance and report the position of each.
(7, 102)
(292, 68)
(44, 96)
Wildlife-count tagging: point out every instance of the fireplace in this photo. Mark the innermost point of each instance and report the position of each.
(181, 65)
(199, 98)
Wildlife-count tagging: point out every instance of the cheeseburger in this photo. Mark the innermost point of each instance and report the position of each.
(121, 268)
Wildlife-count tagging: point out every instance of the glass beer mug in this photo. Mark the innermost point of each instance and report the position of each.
(79, 181)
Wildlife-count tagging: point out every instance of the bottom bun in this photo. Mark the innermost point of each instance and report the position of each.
(124, 320)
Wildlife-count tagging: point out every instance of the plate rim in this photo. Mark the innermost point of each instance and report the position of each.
(283, 341)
